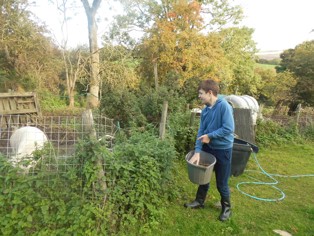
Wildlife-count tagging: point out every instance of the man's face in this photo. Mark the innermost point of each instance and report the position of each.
(205, 97)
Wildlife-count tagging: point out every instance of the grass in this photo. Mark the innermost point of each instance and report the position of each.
(265, 66)
(294, 214)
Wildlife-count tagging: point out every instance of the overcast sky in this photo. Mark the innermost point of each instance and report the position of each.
(278, 24)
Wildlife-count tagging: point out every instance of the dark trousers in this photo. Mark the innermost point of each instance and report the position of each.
(222, 171)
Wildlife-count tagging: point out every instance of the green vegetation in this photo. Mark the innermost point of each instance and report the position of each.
(294, 214)
(147, 185)
(145, 178)
(265, 66)
(69, 199)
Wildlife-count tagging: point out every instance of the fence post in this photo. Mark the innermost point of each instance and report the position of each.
(192, 118)
(298, 112)
(162, 127)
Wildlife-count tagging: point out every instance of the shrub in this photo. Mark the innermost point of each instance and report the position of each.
(270, 132)
(140, 174)
(183, 133)
(122, 107)
(48, 203)
(151, 102)
(71, 199)
(308, 133)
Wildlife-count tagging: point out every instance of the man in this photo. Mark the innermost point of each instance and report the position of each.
(215, 136)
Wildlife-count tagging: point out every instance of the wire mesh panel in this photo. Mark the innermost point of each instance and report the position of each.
(62, 134)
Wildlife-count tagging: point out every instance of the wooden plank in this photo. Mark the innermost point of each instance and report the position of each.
(12, 104)
(25, 102)
(6, 105)
(1, 105)
(244, 127)
(37, 105)
(18, 108)
(10, 95)
(18, 112)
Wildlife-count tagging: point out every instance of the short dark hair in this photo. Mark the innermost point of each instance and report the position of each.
(209, 84)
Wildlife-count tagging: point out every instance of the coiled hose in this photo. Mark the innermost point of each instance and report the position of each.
(272, 184)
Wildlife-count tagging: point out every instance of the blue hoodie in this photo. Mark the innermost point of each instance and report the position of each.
(218, 123)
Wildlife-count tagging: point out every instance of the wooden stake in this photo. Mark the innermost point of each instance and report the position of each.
(162, 127)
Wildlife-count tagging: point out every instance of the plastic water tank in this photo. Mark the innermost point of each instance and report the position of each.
(244, 102)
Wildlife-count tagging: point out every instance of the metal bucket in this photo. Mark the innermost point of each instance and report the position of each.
(201, 173)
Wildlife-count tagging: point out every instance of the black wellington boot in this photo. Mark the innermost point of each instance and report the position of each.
(199, 199)
(225, 209)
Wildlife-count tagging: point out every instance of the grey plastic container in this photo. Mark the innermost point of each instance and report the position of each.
(201, 174)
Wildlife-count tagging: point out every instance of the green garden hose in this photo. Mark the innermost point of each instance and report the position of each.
(272, 184)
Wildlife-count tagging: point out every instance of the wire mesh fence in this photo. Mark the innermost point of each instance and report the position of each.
(46, 143)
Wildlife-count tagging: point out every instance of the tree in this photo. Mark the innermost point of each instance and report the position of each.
(140, 16)
(177, 43)
(118, 68)
(275, 88)
(74, 60)
(181, 51)
(239, 49)
(26, 55)
(93, 98)
(300, 61)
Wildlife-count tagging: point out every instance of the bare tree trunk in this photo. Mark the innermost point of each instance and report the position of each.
(93, 98)
(72, 68)
(71, 99)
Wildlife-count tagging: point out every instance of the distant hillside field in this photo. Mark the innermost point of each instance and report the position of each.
(270, 55)
(265, 66)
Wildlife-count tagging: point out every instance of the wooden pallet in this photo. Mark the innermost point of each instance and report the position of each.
(18, 108)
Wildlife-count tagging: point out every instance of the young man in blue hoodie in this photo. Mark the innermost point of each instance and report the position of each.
(215, 136)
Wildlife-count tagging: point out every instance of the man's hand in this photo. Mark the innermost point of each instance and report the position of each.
(195, 159)
(204, 138)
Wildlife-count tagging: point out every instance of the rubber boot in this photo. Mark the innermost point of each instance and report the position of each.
(199, 199)
(225, 209)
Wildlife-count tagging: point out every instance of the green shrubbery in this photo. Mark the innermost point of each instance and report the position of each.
(50, 202)
(270, 132)
(140, 180)
(138, 175)
(139, 108)
(308, 132)
(183, 132)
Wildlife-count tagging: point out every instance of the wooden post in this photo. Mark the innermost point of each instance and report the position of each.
(192, 118)
(155, 73)
(188, 107)
(298, 112)
(162, 127)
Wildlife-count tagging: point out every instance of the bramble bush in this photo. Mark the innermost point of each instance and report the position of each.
(139, 179)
